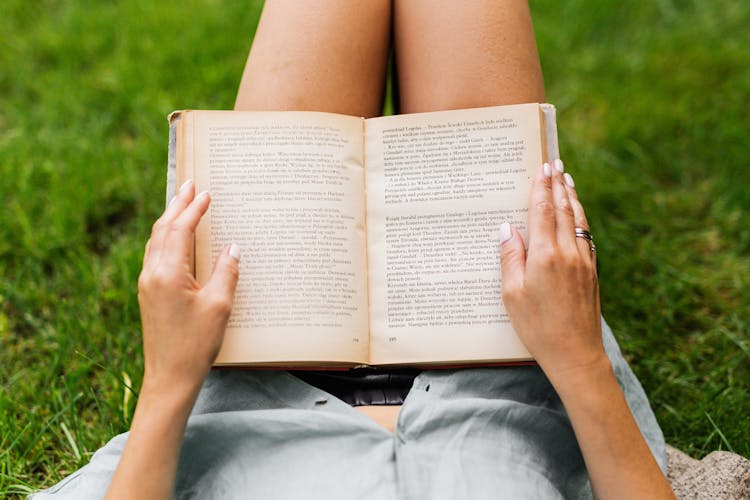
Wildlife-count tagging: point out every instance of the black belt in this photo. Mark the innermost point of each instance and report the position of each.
(363, 386)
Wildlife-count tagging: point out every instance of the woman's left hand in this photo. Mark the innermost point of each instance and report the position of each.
(183, 327)
(183, 324)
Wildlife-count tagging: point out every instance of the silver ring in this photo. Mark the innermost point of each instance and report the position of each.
(583, 233)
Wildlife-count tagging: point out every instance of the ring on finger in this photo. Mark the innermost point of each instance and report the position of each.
(585, 234)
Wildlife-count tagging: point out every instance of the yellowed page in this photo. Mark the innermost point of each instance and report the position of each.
(288, 188)
(438, 187)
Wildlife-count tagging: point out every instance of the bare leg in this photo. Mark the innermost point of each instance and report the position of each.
(331, 57)
(318, 56)
(465, 54)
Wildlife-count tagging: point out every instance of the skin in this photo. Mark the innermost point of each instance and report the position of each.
(467, 54)
(550, 291)
(328, 58)
(285, 70)
(183, 326)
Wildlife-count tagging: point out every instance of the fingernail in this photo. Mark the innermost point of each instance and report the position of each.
(234, 252)
(505, 232)
(202, 194)
(559, 165)
(569, 180)
(546, 170)
(171, 201)
(185, 185)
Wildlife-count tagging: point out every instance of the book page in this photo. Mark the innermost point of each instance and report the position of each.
(438, 187)
(289, 189)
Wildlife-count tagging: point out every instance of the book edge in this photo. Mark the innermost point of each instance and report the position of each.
(550, 130)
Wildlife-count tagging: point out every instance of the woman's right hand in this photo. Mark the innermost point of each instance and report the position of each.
(551, 293)
(550, 290)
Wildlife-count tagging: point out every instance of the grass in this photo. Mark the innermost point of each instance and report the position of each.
(652, 100)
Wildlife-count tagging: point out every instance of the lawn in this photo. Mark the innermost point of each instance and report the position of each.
(653, 101)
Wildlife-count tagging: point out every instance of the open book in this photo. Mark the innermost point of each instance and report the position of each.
(365, 242)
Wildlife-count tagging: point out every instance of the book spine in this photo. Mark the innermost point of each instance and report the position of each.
(550, 131)
(172, 157)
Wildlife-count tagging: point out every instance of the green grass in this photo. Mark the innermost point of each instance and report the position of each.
(653, 102)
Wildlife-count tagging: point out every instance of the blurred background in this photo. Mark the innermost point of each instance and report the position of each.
(653, 106)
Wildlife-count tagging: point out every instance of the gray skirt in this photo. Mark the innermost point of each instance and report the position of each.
(472, 433)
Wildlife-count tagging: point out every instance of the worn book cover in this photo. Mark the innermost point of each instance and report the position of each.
(365, 242)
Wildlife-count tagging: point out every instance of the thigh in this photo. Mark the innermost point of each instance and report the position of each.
(465, 54)
(318, 56)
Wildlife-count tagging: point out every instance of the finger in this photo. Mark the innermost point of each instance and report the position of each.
(220, 287)
(181, 200)
(178, 239)
(161, 227)
(579, 216)
(541, 210)
(564, 225)
(512, 258)
(147, 254)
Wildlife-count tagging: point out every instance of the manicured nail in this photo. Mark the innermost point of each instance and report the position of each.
(546, 170)
(185, 185)
(234, 252)
(569, 180)
(559, 165)
(505, 233)
(202, 194)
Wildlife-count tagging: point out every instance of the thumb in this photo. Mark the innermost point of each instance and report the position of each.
(223, 280)
(512, 256)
